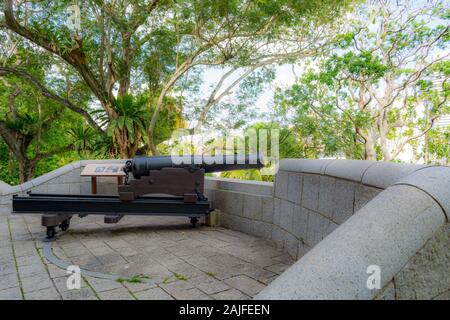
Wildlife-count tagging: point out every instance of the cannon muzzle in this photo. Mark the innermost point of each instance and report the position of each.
(141, 165)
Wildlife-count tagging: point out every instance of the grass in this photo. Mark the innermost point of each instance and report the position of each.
(179, 276)
(15, 259)
(166, 279)
(135, 279)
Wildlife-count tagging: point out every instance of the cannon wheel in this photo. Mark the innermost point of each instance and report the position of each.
(194, 221)
(64, 225)
(51, 231)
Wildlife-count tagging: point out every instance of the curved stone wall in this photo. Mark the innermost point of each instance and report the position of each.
(309, 200)
(426, 274)
(403, 231)
(336, 216)
(66, 180)
(247, 206)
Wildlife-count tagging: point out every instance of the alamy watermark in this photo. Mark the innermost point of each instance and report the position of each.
(251, 146)
(74, 280)
(374, 278)
(74, 19)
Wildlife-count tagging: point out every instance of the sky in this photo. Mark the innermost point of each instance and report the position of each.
(286, 76)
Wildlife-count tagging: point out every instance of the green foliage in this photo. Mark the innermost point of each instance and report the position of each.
(243, 175)
(9, 170)
(134, 279)
(364, 64)
(289, 146)
(54, 162)
(366, 98)
(143, 49)
(83, 138)
(170, 117)
(322, 130)
(126, 55)
(180, 276)
(439, 145)
(34, 127)
(131, 114)
(134, 113)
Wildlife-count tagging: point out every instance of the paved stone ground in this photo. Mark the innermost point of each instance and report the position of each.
(175, 260)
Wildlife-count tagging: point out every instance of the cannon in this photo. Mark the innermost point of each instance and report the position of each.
(179, 175)
(142, 165)
(162, 185)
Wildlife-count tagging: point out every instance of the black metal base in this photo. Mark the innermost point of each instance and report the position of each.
(57, 209)
(194, 221)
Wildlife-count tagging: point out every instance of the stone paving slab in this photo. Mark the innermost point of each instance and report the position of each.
(116, 294)
(44, 294)
(151, 258)
(245, 284)
(231, 294)
(154, 294)
(10, 294)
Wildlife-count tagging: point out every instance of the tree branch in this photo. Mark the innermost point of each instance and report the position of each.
(73, 57)
(42, 155)
(48, 94)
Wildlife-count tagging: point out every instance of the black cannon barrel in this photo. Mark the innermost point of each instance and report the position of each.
(141, 165)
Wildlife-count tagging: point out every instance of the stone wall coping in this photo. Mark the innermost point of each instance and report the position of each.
(51, 175)
(435, 181)
(387, 232)
(237, 185)
(257, 187)
(6, 189)
(317, 166)
(352, 170)
(384, 174)
(83, 163)
(372, 173)
(377, 174)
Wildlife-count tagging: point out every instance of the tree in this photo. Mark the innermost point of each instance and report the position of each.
(370, 91)
(438, 146)
(125, 47)
(433, 92)
(289, 146)
(32, 122)
(32, 133)
(8, 173)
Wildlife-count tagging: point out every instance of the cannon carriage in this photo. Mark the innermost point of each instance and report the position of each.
(162, 185)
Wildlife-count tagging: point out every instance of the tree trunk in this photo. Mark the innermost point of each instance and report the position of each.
(385, 150)
(127, 149)
(369, 150)
(369, 144)
(387, 156)
(151, 145)
(124, 81)
(26, 169)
